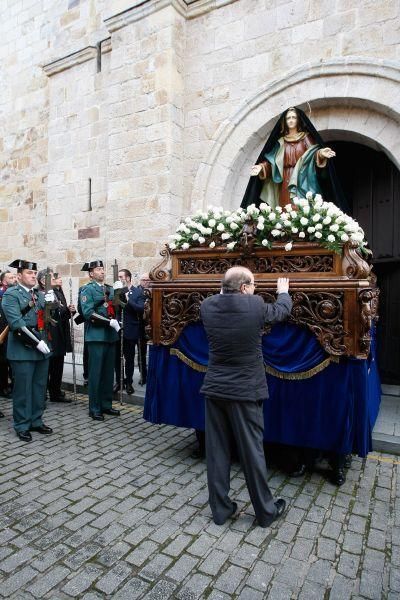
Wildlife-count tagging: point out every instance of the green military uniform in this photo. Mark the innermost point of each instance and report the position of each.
(101, 339)
(29, 366)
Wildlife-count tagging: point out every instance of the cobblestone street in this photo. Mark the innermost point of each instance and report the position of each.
(119, 509)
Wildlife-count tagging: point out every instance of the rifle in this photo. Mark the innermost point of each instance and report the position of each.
(49, 306)
(72, 342)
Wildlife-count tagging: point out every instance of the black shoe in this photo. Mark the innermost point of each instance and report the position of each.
(298, 472)
(116, 388)
(142, 382)
(1, 415)
(85, 382)
(96, 417)
(198, 453)
(129, 389)
(111, 411)
(42, 429)
(5, 394)
(347, 461)
(280, 509)
(61, 398)
(233, 512)
(24, 436)
(338, 477)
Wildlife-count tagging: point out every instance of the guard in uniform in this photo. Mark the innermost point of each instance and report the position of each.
(27, 350)
(101, 335)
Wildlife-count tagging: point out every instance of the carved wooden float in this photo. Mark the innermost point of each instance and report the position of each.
(334, 295)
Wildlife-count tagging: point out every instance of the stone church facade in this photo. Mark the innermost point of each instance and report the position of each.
(118, 117)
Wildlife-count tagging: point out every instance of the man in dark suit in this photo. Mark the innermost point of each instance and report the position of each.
(235, 387)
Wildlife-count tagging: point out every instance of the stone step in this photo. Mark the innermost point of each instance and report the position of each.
(390, 390)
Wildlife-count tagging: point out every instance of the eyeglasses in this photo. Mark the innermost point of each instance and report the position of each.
(251, 283)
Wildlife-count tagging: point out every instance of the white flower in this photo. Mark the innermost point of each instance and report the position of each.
(310, 229)
(221, 227)
(265, 207)
(185, 246)
(178, 237)
(309, 195)
(318, 235)
(302, 234)
(357, 236)
(234, 226)
(181, 227)
(278, 226)
(229, 220)
(293, 214)
(260, 225)
(318, 226)
(207, 230)
(327, 220)
(287, 223)
(212, 245)
(333, 210)
(318, 198)
(331, 238)
(272, 216)
(295, 200)
(288, 246)
(201, 240)
(334, 227)
(172, 246)
(211, 222)
(278, 209)
(288, 207)
(306, 209)
(316, 217)
(294, 230)
(225, 236)
(344, 237)
(275, 232)
(304, 221)
(231, 245)
(188, 220)
(195, 236)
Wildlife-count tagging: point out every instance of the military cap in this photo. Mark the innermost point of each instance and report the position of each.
(23, 264)
(92, 265)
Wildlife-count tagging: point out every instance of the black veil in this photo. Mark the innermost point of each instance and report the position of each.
(331, 190)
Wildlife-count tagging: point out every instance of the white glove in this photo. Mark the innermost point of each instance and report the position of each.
(49, 296)
(43, 347)
(115, 325)
(118, 285)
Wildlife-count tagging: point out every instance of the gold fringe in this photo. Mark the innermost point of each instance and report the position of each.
(187, 361)
(280, 374)
(303, 374)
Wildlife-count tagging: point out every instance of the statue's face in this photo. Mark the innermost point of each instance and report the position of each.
(291, 120)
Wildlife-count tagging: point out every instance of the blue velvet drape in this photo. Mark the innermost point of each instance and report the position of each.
(333, 410)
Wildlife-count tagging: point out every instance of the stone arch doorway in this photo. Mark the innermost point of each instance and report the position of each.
(371, 183)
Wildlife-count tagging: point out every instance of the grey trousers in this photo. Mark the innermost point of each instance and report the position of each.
(243, 423)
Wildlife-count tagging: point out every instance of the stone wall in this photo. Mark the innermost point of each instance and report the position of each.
(168, 113)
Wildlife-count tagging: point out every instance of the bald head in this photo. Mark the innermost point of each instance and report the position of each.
(238, 280)
(144, 280)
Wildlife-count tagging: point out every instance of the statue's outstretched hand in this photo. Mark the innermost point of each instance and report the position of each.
(327, 152)
(255, 170)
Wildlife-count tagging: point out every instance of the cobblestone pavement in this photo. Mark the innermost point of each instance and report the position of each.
(119, 510)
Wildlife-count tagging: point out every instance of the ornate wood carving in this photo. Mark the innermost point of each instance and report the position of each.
(159, 272)
(178, 310)
(318, 263)
(354, 266)
(369, 302)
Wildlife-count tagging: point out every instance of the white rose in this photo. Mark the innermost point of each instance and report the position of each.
(231, 245)
(211, 222)
(225, 236)
(275, 232)
(306, 209)
(207, 230)
(334, 227)
(318, 198)
(310, 229)
(344, 237)
(288, 207)
(327, 220)
(295, 229)
(331, 238)
(234, 226)
(212, 245)
(185, 246)
(178, 237)
(265, 242)
(229, 220)
(304, 221)
(293, 214)
(302, 234)
(265, 207)
(295, 200)
(201, 240)
(172, 246)
(318, 235)
(278, 226)
(272, 216)
(316, 217)
(195, 236)
(278, 209)
(221, 227)
(287, 223)
(288, 246)
(188, 220)
(318, 226)
(260, 225)
(309, 195)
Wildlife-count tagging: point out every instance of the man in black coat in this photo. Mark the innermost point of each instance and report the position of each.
(235, 387)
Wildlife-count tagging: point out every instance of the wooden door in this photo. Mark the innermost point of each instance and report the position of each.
(371, 184)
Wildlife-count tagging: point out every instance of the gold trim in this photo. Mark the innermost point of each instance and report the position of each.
(270, 370)
(187, 361)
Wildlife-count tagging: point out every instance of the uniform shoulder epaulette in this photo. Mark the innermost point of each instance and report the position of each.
(108, 286)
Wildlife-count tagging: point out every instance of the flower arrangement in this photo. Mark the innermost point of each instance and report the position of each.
(305, 219)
